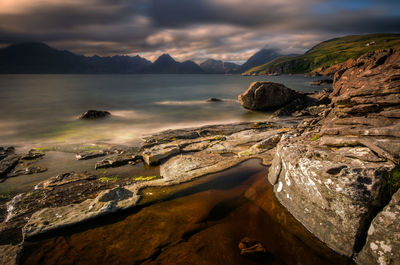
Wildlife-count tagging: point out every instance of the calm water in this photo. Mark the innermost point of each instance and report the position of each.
(36, 109)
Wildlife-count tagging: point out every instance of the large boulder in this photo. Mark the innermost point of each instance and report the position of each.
(332, 173)
(267, 96)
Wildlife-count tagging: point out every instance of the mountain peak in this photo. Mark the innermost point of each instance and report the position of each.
(165, 59)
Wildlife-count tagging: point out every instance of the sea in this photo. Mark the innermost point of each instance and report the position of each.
(42, 109)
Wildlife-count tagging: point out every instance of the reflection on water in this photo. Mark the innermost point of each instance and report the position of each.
(200, 225)
(42, 108)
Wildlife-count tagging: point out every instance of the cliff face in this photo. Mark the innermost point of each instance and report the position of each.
(337, 171)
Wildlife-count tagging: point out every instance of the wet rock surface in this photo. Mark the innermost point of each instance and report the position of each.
(332, 172)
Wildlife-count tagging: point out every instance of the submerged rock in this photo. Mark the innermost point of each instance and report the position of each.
(94, 114)
(267, 96)
(251, 248)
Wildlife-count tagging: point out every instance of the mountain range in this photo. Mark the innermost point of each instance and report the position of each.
(39, 58)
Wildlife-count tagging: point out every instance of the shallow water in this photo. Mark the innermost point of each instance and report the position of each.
(200, 223)
(40, 109)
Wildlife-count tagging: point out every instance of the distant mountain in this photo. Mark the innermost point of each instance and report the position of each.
(261, 57)
(329, 53)
(39, 58)
(212, 66)
(165, 64)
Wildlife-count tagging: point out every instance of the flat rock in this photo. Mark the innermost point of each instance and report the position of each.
(90, 155)
(186, 167)
(156, 154)
(118, 160)
(49, 219)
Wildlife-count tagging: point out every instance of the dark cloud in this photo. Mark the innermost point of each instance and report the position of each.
(195, 29)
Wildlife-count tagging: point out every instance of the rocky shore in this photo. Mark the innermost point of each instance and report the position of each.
(334, 165)
(336, 172)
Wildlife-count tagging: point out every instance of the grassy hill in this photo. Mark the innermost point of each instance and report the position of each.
(328, 53)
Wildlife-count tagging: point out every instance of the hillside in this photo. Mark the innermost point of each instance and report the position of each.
(212, 66)
(261, 57)
(329, 53)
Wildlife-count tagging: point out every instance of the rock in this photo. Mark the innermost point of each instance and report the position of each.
(154, 155)
(94, 114)
(267, 96)
(63, 179)
(214, 100)
(332, 172)
(90, 155)
(118, 160)
(322, 82)
(204, 131)
(49, 219)
(7, 164)
(383, 241)
(34, 170)
(32, 155)
(331, 194)
(251, 248)
(6, 151)
(8, 254)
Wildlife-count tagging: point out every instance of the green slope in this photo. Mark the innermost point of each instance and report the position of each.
(328, 53)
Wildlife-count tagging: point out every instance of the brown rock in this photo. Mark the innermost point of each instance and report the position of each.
(267, 95)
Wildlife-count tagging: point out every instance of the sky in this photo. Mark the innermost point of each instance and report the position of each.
(229, 30)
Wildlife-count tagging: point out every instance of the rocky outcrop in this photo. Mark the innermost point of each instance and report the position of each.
(94, 114)
(332, 173)
(267, 96)
(331, 70)
(383, 242)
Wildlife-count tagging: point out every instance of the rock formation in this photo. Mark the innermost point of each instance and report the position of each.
(267, 96)
(334, 173)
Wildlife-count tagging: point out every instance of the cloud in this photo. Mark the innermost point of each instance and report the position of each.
(197, 29)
